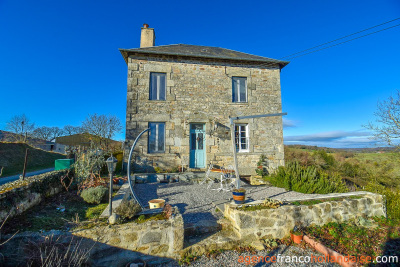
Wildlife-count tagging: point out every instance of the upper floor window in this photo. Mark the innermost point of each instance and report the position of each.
(239, 89)
(242, 137)
(158, 86)
(157, 137)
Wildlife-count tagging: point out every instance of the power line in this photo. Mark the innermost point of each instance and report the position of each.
(340, 38)
(345, 41)
(290, 57)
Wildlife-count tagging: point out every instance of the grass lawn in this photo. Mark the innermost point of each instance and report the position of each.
(60, 212)
(13, 156)
(380, 160)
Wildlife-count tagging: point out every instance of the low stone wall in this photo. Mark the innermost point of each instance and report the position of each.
(21, 195)
(277, 223)
(159, 238)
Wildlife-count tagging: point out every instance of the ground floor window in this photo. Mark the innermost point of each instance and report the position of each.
(157, 137)
(242, 137)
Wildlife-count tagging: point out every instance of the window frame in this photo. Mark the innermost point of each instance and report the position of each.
(156, 138)
(238, 140)
(158, 89)
(234, 90)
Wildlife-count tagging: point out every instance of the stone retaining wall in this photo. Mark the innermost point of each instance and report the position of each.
(21, 195)
(277, 223)
(159, 238)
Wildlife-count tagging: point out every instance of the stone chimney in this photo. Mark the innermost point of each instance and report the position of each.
(148, 37)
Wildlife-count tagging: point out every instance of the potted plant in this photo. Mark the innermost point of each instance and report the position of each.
(239, 195)
(180, 168)
(297, 234)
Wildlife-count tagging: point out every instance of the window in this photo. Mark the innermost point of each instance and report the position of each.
(157, 137)
(242, 137)
(239, 89)
(157, 86)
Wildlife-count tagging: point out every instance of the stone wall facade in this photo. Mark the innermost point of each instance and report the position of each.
(199, 90)
(277, 223)
(158, 238)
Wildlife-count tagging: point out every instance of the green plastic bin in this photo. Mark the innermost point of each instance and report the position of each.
(61, 164)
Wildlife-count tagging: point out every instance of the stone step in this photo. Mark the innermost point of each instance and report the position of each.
(202, 227)
(117, 199)
(198, 245)
(220, 204)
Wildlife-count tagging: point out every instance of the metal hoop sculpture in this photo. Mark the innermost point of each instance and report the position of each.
(129, 168)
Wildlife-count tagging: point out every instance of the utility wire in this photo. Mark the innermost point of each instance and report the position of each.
(291, 56)
(344, 42)
(341, 38)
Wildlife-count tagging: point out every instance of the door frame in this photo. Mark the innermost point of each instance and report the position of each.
(192, 161)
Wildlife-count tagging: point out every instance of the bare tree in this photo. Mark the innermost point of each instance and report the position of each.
(103, 127)
(55, 132)
(387, 122)
(21, 126)
(43, 132)
(70, 130)
(47, 133)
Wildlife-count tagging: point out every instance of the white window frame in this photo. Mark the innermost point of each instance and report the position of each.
(158, 84)
(238, 140)
(237, 90)
(157, 132)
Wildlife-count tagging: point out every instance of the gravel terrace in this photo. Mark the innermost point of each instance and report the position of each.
(195, 200)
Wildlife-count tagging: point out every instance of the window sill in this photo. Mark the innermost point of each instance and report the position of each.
(239, 103)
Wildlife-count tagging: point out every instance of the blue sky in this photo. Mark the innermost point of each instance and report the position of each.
(59, 60)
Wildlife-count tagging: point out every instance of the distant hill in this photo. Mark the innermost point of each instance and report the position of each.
(12, 157)
(333, 150)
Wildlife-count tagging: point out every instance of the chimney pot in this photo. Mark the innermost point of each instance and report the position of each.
(145, 26)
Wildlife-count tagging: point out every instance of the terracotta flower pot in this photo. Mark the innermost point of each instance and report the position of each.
(296, 238)
(239, 197)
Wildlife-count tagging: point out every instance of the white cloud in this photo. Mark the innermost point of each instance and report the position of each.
(336, 139)
(288, 123)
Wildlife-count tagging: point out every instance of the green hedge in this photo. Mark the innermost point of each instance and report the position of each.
(308, 180)
(392, 199)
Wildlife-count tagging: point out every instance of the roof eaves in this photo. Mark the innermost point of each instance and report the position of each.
(125, 54)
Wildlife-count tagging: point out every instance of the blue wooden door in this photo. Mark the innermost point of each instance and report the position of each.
(197, 145)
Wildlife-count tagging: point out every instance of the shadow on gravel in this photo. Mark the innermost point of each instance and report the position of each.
(181, 207)
(279, 194)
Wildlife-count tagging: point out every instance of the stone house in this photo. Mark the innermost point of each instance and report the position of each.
(185, 94)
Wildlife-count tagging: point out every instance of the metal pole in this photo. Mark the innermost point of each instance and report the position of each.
(111, 189)
(25, 163)
(234, 154)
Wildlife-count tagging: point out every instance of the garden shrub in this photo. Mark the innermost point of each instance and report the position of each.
(128, 209)
(323, 159)
(392, 199)
(307, 179)
(94, 195)
(350, 170)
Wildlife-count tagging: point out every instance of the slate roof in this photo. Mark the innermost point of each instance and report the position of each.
(202, 52)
